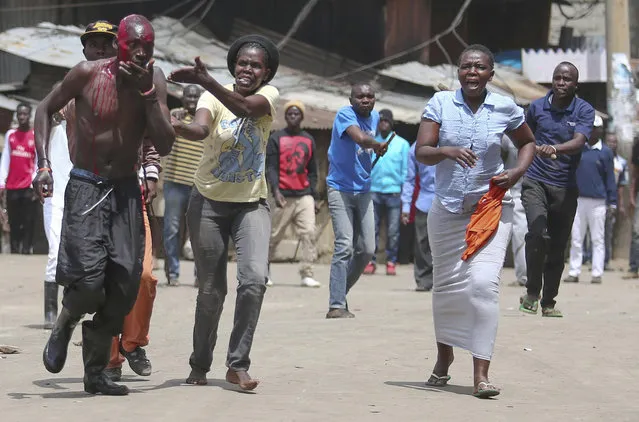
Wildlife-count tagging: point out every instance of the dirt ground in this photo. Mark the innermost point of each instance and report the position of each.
(371, 368)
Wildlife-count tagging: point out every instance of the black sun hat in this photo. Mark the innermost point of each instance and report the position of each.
(269, 46)
(99, 27)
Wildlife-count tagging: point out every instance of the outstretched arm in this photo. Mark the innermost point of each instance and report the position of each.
(252, 106)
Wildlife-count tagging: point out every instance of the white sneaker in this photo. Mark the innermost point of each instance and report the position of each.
(269, 282)
(310, 282)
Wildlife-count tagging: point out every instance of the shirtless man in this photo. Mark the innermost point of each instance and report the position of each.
(117, 101)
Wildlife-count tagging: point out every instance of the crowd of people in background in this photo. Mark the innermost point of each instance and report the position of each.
(481, 174)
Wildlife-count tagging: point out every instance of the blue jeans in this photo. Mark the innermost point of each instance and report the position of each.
(353, 221)
(176, 199)
(389, 204)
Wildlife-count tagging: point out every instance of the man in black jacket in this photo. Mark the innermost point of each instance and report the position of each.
(291, 171)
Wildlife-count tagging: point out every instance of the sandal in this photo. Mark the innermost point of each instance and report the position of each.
(551, 312)
(437, 381)
(488, 390)
(528, 305)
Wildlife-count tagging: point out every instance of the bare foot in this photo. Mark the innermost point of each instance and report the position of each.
(241, 378)
(196, 378)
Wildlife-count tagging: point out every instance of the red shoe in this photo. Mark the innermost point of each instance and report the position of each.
(370, 268)
(390, 268)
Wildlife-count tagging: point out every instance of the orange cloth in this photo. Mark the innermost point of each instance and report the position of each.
(135, 331)
(484, 221)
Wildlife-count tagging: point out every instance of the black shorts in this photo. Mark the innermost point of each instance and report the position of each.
(101, 244)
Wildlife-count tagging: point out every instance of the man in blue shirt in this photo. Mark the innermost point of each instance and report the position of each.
(597, 190)
(423, 265)
(387, 178)
(561, 123)
(349, 197)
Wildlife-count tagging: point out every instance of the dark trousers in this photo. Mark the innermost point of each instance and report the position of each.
(423, 266)
(212, 224)
(390, 205)
(101, 248)
(100, 258)
(550, 211)
(21, 210)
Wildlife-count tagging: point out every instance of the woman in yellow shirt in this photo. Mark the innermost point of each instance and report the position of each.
(229, 199)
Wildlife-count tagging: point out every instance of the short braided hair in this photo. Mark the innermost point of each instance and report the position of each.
(479, 48)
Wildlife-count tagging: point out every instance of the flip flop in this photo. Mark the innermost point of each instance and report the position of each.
(437, 381)
(486, 392)
(528, 305)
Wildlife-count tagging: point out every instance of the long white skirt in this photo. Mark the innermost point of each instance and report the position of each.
(466, 293)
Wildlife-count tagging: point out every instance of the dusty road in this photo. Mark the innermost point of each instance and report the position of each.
(371, 368)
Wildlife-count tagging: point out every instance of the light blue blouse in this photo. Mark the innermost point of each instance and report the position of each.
(457, 188)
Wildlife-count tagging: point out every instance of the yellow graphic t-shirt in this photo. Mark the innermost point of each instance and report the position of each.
(232, 167)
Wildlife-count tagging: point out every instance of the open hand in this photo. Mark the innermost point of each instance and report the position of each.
(405, 218)
(190, 75)
(140, 77)
(43, 185)
(465, 157)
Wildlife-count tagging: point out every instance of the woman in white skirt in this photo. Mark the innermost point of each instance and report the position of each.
(461, 134)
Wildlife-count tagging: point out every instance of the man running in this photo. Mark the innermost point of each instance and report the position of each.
(117, 102)
(561, 123)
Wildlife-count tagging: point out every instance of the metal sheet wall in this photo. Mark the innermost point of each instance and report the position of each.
(13, 13)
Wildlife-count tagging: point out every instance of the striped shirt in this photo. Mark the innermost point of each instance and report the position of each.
(184, 158)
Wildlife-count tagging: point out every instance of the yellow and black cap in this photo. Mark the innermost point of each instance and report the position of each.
(99, 27)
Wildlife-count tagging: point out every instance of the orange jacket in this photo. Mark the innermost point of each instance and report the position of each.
(484, 221)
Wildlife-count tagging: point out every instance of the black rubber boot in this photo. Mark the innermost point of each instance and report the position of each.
(96, 350)
(50, 304)
(55, 352)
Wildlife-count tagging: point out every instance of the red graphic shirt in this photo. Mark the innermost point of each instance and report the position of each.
(18, 160)
(290, 163)
(295, 153)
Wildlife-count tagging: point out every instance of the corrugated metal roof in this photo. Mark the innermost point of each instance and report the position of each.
(302, 55)
(59, 45)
